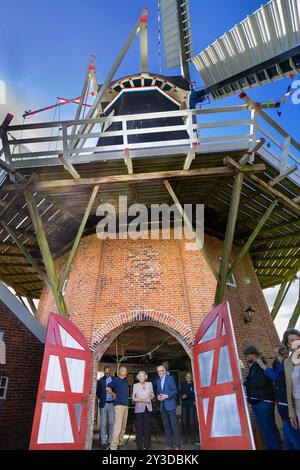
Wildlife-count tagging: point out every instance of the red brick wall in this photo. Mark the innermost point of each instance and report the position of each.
(114, 283)
(112, 277)
(24, 354)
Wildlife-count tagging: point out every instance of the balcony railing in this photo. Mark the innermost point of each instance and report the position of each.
(210, 130)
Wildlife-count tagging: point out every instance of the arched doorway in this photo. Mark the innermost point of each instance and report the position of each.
(143, 346)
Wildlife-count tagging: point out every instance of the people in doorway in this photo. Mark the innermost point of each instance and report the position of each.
(292, 375)
(118, 388)
(166, 394)
(142, 396)
(276, 374)
(260, 395)
(187, 393)
(106, 408)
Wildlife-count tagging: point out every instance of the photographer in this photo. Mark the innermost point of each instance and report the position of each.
(260, 395)
(276, 374)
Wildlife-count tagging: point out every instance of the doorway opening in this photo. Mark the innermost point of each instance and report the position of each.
(143, 348)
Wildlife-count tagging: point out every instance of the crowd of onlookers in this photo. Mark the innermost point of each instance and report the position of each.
(279, 385)
(266, 388)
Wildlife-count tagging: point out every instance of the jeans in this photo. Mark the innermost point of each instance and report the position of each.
(143, 430)
(121, 414)
(188, 416)
(106, 417)
(170, 427)
(291, 436)
(265, 419)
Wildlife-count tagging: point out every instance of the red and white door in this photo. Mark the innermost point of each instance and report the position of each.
(223, 414)
(62, 399)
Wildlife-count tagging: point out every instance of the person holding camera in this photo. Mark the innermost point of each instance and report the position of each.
(260, 394)
(291, 434)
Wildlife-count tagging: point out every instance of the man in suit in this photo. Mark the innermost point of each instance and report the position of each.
(106, 408)
(167, 394)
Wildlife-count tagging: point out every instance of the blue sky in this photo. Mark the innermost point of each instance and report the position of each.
(45, 47)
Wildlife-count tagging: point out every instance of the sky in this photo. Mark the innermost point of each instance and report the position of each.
(45, 47)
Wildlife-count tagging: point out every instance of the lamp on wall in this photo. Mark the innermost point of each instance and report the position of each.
(248, 314)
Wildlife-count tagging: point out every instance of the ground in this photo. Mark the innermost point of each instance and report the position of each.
(155, 444)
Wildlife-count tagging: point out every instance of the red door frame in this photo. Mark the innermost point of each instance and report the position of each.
(220, 443)
(66, 396)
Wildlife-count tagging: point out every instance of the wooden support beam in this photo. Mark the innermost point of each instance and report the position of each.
(263, 241)
(282, 293)
(46, 254)
(190, 226)
(190, 156)
(13, 199)
(247, 155)
(144, 43)
(128, 161)
(141, 177)
(295, 316)
(63, 158)
(248, 244)
(272, 191)
(66, 270)
(26, 253)
(275, 249)
(282, 176)
(4, 138)
(296, 313)
(229, 235)
(6, 167)
(32, 305)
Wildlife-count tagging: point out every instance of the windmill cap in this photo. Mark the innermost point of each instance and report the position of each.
(251, 350)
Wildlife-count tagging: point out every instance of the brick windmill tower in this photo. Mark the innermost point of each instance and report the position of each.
(107, 297)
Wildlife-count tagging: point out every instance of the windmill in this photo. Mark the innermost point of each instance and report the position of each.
(261, 49)
(151, 116)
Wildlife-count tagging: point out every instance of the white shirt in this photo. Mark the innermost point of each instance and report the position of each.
(296, 382)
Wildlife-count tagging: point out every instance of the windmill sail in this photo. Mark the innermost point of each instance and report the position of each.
(262, 48)
(175, 18)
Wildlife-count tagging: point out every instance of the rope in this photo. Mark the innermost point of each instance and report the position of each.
(144, 355)
(275, 402)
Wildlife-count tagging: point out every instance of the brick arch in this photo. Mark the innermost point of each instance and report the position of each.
(111, 328)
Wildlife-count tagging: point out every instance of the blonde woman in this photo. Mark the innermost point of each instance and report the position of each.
(142, 397)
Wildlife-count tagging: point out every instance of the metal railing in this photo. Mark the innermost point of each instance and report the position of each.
(214, 130)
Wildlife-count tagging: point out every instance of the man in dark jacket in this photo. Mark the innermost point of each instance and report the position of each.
(260, 395)
(187, 393)
(106, 408)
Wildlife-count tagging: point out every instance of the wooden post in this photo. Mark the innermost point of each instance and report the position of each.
(251, 239)
(189, 225)
(32, 305)
(284, 288)
(144, 43)
(296, 313)
(229, 235)
(46, 254)
(77, 239)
